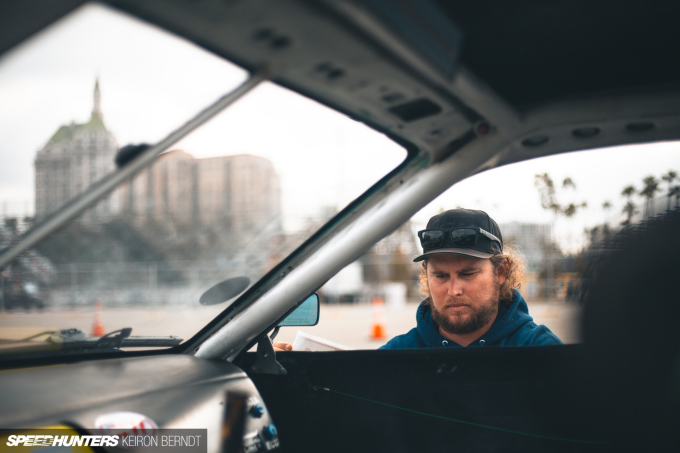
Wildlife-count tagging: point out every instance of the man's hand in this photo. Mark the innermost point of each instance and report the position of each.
(282, 346)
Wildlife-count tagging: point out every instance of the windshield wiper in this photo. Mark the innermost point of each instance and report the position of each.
(76, 339)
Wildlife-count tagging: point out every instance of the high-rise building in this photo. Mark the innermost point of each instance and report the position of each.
(237, 194)
(161, 191)
(241, 192)
(75, 157)
(532, 239)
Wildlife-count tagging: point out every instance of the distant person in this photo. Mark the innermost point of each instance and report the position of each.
(471, 288)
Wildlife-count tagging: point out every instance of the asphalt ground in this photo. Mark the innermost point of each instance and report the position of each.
(349, 325)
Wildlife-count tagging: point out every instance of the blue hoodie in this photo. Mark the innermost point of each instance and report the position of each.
(513, 327)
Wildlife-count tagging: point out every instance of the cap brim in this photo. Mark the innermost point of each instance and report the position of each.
(465, 252)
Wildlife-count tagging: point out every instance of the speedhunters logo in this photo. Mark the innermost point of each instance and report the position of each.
(35, 440)
(69, 439)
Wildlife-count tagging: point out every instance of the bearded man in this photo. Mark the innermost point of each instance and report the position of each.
(471, 287)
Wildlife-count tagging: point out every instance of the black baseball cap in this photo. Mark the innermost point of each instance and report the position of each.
(461, 232)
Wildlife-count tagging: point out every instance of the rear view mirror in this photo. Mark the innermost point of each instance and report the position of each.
(306, 314)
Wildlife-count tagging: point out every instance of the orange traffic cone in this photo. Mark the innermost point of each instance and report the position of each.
(97, 325)
(378, 327)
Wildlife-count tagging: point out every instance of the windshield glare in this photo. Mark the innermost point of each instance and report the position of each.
(228, 202)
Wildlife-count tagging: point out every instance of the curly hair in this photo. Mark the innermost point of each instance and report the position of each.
(513, 278)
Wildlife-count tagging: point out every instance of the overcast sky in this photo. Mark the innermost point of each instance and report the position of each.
(152, 82)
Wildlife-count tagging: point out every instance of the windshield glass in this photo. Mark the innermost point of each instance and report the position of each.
(228, 202)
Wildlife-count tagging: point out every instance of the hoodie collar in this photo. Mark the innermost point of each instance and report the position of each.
(510, 318)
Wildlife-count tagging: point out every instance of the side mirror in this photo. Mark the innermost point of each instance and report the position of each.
(306, 314)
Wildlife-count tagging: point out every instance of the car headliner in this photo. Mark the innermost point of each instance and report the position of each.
(466, 86)
(528, 51)
(518, 56)
(533, 51)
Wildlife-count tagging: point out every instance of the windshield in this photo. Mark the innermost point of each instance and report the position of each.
(227, 203)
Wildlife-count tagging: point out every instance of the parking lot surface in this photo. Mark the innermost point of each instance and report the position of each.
(349, 325)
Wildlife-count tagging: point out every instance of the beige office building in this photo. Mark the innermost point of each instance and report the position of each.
(238, 193)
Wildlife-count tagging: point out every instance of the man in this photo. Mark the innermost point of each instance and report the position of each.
(471, 288)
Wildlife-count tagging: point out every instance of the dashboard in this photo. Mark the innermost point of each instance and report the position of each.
(142, 394)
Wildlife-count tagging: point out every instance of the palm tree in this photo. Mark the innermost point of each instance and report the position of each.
(670, 177)
(607, 206)
(549, 201)
(568, 183)
(628, 191)
(546, 189)
(570, 210)
(651, 187)
(629, 208)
